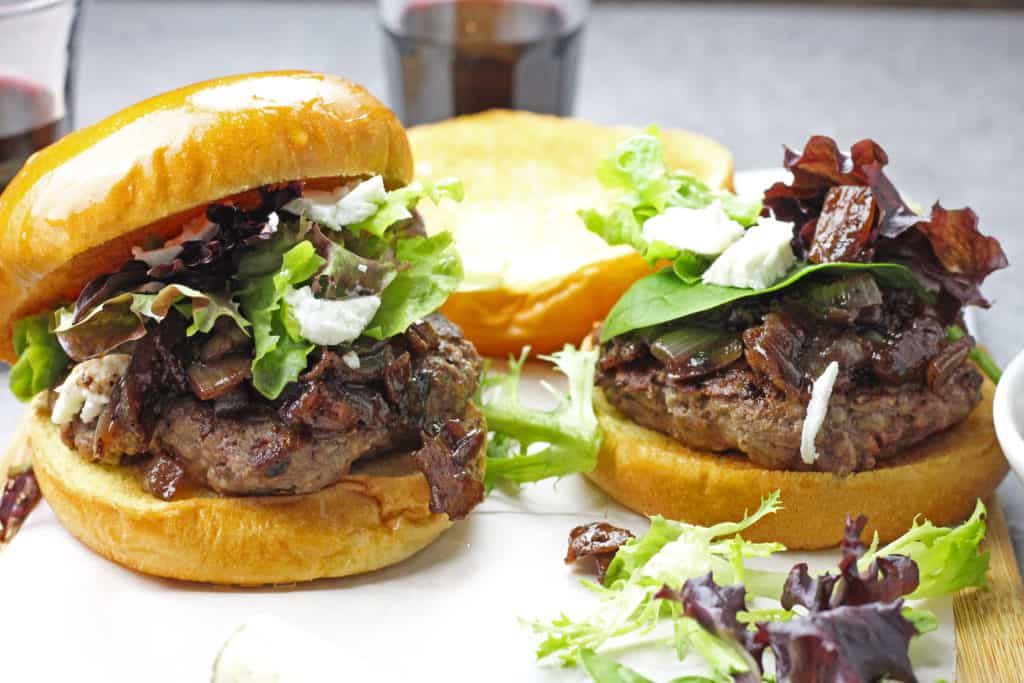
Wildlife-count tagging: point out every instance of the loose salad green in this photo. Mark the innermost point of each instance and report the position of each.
(636, 604)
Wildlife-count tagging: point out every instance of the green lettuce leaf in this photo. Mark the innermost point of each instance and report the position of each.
(689, 266)
(431, 270)
(529, 445)
(638, 166)
(281, 353)
(663, 296)
(399, 203)
(637, 169)
(41, 360)
(948, 559)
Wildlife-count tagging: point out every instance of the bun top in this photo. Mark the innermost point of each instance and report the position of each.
(77, 207)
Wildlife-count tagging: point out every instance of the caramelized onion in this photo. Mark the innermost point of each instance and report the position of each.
(843, 300)
(216, 378)
(694, 351)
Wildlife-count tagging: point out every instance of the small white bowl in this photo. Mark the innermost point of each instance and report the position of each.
(1008, 413)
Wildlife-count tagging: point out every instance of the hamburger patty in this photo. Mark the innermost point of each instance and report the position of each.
(900, 377)
(259, 453)
(375, 397)
(333, 416)
(734, 410)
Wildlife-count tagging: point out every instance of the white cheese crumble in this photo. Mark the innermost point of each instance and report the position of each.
(817, 409)
(87, 388)
(342, 206)
(706, 231)
(327, 322)
(198, 229)
(757, 260)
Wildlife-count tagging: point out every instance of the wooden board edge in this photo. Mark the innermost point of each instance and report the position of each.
(990, 624)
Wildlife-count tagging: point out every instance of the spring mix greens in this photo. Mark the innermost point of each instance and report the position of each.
(292, 272)
(692, 583)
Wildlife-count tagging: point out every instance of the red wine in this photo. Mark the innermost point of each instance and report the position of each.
(29, 120)
(458, 57)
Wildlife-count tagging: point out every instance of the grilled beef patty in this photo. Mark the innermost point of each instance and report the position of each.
(184, 409)
(333, 416)
(734, 410)
(901, 379)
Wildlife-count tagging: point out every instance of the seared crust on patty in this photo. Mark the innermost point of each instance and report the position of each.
(257, 454)
(734, 410)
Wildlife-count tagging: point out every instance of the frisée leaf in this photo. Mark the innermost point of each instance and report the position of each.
(529, 445)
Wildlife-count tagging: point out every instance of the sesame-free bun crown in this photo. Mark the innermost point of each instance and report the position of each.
(78, 206)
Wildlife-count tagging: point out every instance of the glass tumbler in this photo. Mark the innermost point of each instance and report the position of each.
(450, 57)
(37, 63)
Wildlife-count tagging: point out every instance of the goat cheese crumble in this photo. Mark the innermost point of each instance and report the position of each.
(87, 389)
(327, 322)
(757, 260)
(342, 206)
(707, 231)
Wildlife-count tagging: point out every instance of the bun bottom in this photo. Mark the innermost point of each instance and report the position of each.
(373, 518)
(940, 479)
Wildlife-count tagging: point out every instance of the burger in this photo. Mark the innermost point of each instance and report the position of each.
(811, 342)
(221, 303)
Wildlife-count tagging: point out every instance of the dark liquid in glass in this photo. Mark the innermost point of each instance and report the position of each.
(451, 58)
(28, 122)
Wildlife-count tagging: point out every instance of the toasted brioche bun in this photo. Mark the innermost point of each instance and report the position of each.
(375, 517)
(941, 479)
(77, 207)
(534, 274)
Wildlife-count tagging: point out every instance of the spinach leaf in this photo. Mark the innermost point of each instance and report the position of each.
(663, 296)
